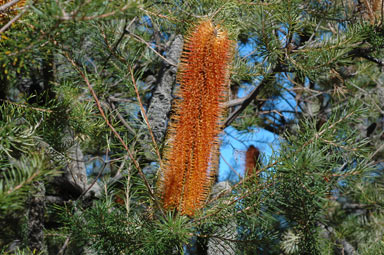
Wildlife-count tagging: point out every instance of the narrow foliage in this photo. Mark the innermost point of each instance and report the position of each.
(191, 155)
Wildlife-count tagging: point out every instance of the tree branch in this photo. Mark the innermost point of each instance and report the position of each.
(248, 99)
(9, 4)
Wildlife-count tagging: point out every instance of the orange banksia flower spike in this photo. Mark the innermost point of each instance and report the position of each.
(251, 159)
(191, 155)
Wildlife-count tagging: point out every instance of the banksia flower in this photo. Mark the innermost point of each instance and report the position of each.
(191, 155)
(251, 160)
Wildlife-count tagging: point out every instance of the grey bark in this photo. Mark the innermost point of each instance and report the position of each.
(343, 246)
(219, 241)
(71, 184)
(222, 244)
(73, 181)
(35, 214)
(161, 101)
(76, 172)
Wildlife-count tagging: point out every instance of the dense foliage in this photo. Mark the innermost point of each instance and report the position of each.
(86, 91)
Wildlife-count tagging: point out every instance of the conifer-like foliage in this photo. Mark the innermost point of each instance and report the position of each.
(89, 90)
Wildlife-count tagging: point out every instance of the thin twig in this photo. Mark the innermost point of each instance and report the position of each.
(139, 39)
(127, 191)
(244, 180)
(27, 106)
(6, 26)
(29, 180)
(247, 100)
(125, 123)
(120, 168)
(159, 15)
(7, 5)
(319, 134)
(230, 167)
(229, 203)
(377, 151)
(234, 102)
(104, 15)
(113, 49)
(373, 59)
(96, 178)
(62, 250)
(145, 115)
(130, 154)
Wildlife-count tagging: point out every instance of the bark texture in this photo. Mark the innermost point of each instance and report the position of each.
(222, 244)
(36, 211)
(161, 101)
